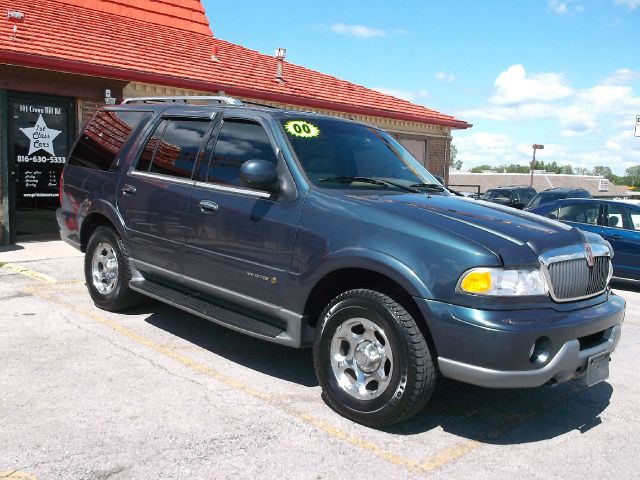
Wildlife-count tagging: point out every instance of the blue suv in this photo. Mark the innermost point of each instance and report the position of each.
(309, 230)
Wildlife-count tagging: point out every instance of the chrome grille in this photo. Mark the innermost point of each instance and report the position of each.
(569, 275)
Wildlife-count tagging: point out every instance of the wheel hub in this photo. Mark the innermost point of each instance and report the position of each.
(361, 358)
(104, 268)
(368, 356)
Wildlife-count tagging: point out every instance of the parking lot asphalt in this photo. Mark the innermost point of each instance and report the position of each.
(158, 393)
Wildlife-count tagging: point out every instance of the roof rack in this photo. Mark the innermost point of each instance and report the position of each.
(185, 99)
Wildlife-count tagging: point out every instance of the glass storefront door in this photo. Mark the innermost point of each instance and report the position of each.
(41, 131)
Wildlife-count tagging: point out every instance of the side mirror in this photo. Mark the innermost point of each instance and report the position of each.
(259, 175)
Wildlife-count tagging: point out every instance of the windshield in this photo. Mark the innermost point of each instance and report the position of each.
(338, 154)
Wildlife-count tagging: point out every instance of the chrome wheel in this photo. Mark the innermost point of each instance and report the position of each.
(104, 268)
(361, 358)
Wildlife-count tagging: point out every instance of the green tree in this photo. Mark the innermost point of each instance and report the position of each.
(633, 175)
(582, 171)
(481, 168)
(603, 171)
(566, 169)
(453, 161)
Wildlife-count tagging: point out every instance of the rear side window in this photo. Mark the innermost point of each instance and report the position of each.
(580, 213)
(623, 217)
(173, 147)
(238, 141)
(104, 136)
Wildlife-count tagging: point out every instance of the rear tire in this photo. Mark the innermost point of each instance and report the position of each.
(371, 359)
(107, 271)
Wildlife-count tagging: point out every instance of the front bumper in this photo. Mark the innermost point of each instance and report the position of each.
(493, 348)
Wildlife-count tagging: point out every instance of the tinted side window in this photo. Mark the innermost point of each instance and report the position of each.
(177, 152)
(104, 136)
(238, 141)
(579, 212)
(144, 163)
(623, 217)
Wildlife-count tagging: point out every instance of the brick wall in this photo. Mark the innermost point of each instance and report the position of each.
(87, 109)
(438, 156)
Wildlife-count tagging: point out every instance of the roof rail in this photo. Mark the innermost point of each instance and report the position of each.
(185, 99)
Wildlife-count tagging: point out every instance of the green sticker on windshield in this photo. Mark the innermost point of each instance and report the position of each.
(300, 128)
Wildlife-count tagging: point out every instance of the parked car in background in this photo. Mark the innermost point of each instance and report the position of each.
(516, 196)
(558, 193)
(616, 220)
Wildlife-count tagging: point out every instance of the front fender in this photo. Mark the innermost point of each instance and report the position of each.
(302, 285)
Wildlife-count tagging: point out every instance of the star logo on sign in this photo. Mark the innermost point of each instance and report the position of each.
(41, 137)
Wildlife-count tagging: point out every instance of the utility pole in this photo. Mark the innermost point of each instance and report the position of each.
(536, 146)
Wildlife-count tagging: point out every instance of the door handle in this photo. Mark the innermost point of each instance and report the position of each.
(128, 189)
(208, 207)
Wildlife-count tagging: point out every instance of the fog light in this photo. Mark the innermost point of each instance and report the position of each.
(540, 351)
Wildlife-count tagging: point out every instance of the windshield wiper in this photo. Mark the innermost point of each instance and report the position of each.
(429, 186)
(373, 181)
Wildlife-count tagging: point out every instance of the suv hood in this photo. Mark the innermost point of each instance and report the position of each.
(508, 232)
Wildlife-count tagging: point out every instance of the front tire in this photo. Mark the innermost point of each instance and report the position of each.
(107, 271)
(371, 359)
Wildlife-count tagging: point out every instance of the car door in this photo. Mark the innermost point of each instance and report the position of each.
(153, 196)
(621, 227)
(241, 240)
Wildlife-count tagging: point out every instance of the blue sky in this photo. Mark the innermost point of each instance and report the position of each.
(562, 73)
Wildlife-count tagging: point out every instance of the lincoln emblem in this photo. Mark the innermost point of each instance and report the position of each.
(588, 254)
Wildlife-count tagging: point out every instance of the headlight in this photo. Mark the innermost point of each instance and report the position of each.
(499, 282)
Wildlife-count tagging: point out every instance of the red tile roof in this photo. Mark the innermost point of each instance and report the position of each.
(94, 39)
(184, 14)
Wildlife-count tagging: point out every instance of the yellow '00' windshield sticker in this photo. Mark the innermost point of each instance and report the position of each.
(301, 128)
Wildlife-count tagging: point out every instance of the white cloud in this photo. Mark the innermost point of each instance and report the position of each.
(514, 87)
(610, 99)
(445, 77)
(558, 7)
(566, 7)
(479, 148)
(525, 111)
(575, 121)
(622, 76)
(630, 4)
(358, 31)
(625, 141)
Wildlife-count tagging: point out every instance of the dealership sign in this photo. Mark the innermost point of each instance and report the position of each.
(40, 150)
